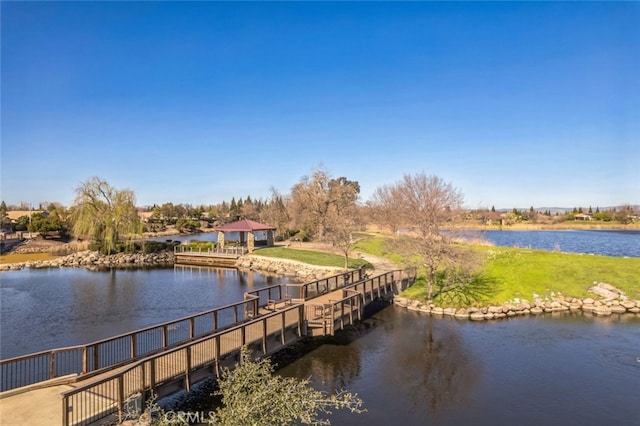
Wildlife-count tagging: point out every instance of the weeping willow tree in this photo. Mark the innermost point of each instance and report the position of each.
(105, 214)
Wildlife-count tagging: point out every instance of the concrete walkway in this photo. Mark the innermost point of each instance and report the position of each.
(38, 407)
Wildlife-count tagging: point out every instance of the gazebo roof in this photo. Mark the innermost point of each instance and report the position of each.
(244, 225)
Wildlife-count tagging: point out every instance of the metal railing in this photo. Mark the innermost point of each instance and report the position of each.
(108, 353)
(128, 389)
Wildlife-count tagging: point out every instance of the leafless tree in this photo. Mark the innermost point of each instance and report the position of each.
(317, 197)
(275, 213)
(430, 209)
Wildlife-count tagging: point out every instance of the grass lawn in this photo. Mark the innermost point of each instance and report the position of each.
(311, 257)
(521, 273)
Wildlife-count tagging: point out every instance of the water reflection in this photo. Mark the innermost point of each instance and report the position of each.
(443, 372)
(43, 309)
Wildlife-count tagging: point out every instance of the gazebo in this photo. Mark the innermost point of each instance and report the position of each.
(247, 229)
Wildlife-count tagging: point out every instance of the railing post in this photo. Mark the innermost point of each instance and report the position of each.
(164, 336)
(215, 320)
(216, 351)
(96, 357)
(191, 327)
(85, 360)
(52, 365)
(120, 398)
(152, 374)
(264, 336)
(284, 325)
(134, 344)
(302, 329)
(187, 380)
(65, 410)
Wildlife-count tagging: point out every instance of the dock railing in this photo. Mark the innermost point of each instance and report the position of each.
(92, 358)
(130, 387)
(226, 251)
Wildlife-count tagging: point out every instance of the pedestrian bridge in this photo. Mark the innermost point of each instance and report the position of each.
(103, 381)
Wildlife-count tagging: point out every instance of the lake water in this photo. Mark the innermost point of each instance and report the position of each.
(602, 242)
(408, 368)
(50, 308)
(413, 369)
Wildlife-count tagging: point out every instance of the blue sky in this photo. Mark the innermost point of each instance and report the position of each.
(514, 103)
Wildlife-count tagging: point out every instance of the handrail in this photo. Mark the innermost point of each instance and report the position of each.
(322, 286)
(110, 394)
(113, 351)
(216, 251)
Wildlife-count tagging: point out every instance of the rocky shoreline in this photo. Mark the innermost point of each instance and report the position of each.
(597, 307)
(94, 260)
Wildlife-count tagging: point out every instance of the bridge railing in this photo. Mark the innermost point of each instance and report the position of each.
(128, 388)
(267, 296)
(96, 356)
(337, 313)
(322, 286)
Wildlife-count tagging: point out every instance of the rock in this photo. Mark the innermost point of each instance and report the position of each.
(462, 314)
(606, 291)
(477, 316)
(602, 310)
(450, 311)
(617, 309)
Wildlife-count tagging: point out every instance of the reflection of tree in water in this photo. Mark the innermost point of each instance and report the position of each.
(330, 367)
(432, 363)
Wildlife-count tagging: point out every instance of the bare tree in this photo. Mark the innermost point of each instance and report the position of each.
(275, 213)
(343, 216)
(317, 199)
(430, 209)
(382, 207)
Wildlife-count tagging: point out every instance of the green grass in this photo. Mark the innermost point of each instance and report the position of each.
(521, 273)
(311, 257)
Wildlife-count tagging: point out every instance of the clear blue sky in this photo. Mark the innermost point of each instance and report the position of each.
(514, 103)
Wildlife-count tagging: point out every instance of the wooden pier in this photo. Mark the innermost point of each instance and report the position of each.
(225, 257)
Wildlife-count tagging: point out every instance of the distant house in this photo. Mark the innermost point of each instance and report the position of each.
(582, 216)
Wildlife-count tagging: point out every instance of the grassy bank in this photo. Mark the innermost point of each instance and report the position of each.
(523, 273)
(311, 257)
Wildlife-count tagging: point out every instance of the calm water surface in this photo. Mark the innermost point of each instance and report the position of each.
(603, 242)
(51, 308)
(412, 369)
